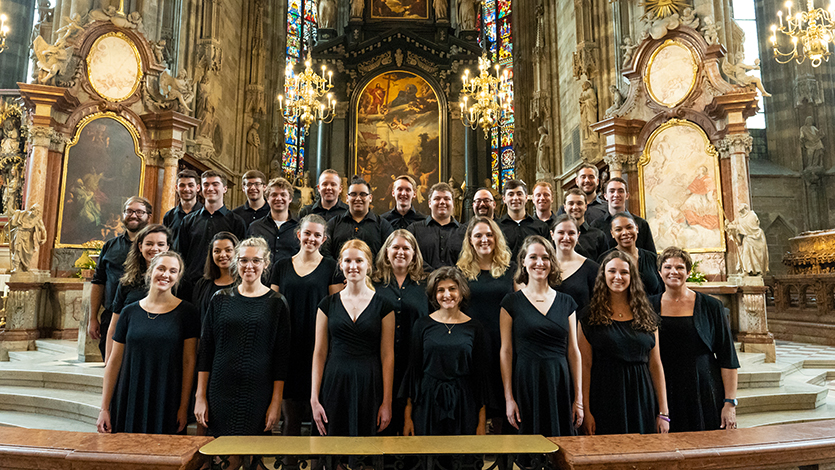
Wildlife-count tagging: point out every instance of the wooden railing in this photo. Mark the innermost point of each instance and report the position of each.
(801, 307)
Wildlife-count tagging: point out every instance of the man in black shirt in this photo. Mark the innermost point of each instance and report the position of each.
(617, 193)
(328, 205)
(439, 236)
(592, 241)
(200, 226)
(484, 204)
(517, 225)
(357, 222)
(255, 207)
(543, 199)
(278, 228)
(586, 180)
(137, 212)
(403, 213)
(188, 188)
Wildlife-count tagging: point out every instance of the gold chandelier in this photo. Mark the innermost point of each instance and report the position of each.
(4, 32)
(490, 96)
(812, 29)
(303, 93)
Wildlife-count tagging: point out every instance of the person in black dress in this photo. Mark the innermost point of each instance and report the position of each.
(577, 272)
(304, 280)
(623, 380)
(217, 273)
(542, 386)
(353, 360)
(697, 350)
(147, 380)
(625, 232)
(149, 242)
(399, 278)
(445, 385)
(486, 264)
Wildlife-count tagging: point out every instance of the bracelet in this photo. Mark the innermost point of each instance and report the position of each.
(664, 417)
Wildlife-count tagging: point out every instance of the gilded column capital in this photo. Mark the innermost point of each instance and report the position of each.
(617, 161)
(58, 141)
(40, 136)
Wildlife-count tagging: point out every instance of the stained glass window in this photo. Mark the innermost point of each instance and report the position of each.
(301, 33)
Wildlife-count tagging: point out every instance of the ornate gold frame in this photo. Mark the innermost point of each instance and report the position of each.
(138, 80)
(711, 151)
(371, 15)
(81, 125)
(647, 72)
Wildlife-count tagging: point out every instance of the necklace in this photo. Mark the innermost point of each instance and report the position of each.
(449, 328)
(154, 317)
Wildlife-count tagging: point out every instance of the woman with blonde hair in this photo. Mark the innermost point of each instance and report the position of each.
(486, 263)
(400, 279)
(353, 358)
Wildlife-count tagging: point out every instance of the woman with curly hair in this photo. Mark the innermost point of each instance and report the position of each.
(486, 263)
(625, 232)
(623, 380)
(400, 279)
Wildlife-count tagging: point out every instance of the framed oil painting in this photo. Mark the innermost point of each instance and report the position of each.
(681, 193)
(103, 167)
(400, 9)
(398, 131)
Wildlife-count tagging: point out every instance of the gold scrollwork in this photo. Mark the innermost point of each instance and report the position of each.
(94, 49)
(649, 70)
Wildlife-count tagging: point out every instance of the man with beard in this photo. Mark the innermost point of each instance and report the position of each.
(517, 225)
(592, 242)
(135, 216)
(255, 207)
(484, 205)
(328, 206)
(188, 187)
(587, 179)
(439, 236)
(357, 222)
(403, 214)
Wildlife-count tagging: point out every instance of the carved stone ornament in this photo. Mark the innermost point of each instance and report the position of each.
(27, 233)
(201, 149)
(617, 161)
(379, 61)
(736, 143)
(40, 136)
(169, 93)
(111, 14)
(738, 73)
(745, 231)
(418, 61)
(56, 63)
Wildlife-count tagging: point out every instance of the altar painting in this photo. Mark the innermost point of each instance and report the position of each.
(680, 188)
(398, 123)
(400, 9)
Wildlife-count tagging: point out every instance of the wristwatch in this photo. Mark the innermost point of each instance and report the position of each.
(732, 401)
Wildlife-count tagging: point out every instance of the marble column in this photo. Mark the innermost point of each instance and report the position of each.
(738, 146)
(171, 160)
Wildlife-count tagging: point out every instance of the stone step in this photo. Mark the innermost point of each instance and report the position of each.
(766, 375)
(69, 404)
(57, 346)
(794, 396)
(32, 356)
(75, 380)
(18, 419)
(750, 359)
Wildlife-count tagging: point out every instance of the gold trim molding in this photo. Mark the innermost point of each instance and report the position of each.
(138, 78)
(648, 72)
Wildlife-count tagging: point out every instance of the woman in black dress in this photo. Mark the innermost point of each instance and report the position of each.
(625, 232)
(542, 386)
(485, 261)
(697, 350)
(577, 272)
(353, 360)
(304, 280)
(147, 380)
(149, 242)
(217, 273)
(445, 384)
(399, 279)
(623, 380)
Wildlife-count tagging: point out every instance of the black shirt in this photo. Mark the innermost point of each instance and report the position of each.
(111, 267)
(328, 214)
(516, 232)
(372, 229)
(550, 221)
(282, 241)
(439, 244)
(597, 209)
(591, 242)
(644, 240)
(173, 219)
(250, 215)
(196, 233)
(399, 220)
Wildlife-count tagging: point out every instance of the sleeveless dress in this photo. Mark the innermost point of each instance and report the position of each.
(542, 382)
(352, 382)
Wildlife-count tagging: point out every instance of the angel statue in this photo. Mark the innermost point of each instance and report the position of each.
(53, 61)
(738, 72)
(72, 29)
(172, 91)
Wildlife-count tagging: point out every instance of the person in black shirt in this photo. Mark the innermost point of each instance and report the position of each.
(403, 214)
(255, 207)
(617, 193)
(358, 222)
(586, 180)
(439, 236)
(188, 189)
(543, 199)
(328, 206)
(200, 226)
(517, 225)
(278, 227)
(484, 204)
(592, 241)
(110, 267)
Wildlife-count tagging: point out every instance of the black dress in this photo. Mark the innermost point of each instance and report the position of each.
(445, 380)
(128, 294)
(352, 382)
(150, 383)
(244, 347)
(580, 284)
(202, 295)
(303, 294)
(542, 382)
(621, 397)
(648, 268)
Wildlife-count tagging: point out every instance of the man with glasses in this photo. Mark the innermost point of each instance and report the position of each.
(278, 228)
(137, 212)
(357, 222)
(439, 236)
(253, 183)
(328, 205)
(188, 188)
(404, 213)
(484, 205)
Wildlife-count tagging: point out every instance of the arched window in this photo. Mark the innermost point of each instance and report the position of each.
(301, 33)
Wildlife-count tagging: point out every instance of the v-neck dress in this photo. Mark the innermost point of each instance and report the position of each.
(542, 384)
(352, 382)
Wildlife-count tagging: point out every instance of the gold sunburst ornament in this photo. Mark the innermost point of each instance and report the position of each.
(657, 9)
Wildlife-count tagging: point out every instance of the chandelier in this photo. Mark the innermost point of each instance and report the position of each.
(303, 93)
(4, 31)
(490, 96)
(812, 29)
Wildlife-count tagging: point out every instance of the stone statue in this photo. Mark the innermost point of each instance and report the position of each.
(11, 138)
(617, 101)
(688, 18)
(457, 198)
(253, 146)
(27, 233)
(588, 111)
(466, 15)
(53, 62)
(206, 104)
(628, 49)
(71, 30)
(275, 167)
(357, 6)
(305, 190)
(542, 158)
(327, 14)
(738, 73)
(10, 193)
(710, 30)
(812, 140)
(172, 93)
(748, 235)
(159, 50)
(441, 9)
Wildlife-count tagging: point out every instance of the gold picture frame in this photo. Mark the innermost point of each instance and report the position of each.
(112, 77)
(668, 96)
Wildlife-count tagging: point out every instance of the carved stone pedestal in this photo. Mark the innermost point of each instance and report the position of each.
(24, 309)
(753, 327)
(88, 348)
